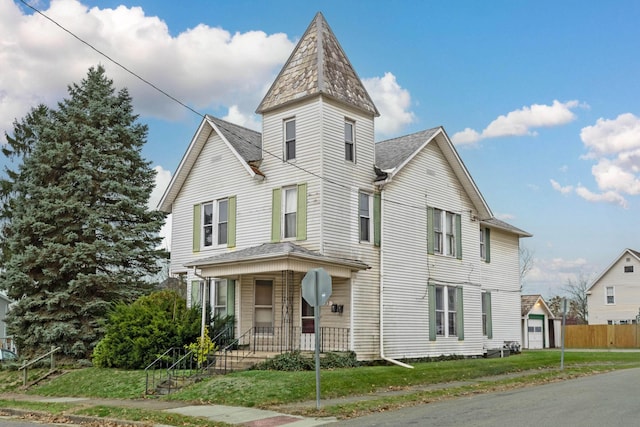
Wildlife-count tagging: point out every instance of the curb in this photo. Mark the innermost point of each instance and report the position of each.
(70, 418)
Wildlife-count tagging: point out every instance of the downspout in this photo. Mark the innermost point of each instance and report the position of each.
(382, 356)
(204, 311)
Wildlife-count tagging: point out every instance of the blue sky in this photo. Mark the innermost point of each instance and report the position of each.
(541, 98)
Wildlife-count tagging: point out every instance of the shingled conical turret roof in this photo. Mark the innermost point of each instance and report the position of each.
(318, 65)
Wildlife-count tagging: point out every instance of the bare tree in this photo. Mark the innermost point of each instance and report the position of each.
(526, 263)
(576, 291)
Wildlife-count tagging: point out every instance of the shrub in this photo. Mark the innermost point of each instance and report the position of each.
(297, 361)
(136, 334)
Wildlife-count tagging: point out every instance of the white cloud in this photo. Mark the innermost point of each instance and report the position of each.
(204, 67)
(607, 197)
(548, 276)
(248, 120)
(393, 103)
(522, 122)
(564, 190)
(614, 145)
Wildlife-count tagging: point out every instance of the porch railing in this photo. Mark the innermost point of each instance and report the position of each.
(285, 339)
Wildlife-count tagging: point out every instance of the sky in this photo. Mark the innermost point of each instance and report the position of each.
(541, 98)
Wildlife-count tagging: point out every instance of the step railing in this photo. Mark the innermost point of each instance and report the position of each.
(52, 363)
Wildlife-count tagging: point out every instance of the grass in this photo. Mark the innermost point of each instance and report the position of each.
(270, 389)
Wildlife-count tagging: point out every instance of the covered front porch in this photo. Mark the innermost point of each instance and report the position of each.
(261, 288)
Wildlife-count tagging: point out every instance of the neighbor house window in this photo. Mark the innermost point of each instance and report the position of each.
(349, 141)
(610, 295)
(628, 268)
(290, 211)
(364, 216)
(290, 139)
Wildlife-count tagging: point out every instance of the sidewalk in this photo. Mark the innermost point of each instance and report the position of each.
(248, 417)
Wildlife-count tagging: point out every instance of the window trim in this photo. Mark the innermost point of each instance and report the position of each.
(350, 145)
(294, 212)
(289, 142)
(215, 223)
(613, 295)
(446, 322)
(369, 217)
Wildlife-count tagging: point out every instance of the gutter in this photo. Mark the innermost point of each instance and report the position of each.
(382, 356)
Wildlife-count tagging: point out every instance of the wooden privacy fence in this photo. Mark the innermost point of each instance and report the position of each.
(602, 336)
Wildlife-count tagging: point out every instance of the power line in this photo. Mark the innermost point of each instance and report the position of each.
(174, 99)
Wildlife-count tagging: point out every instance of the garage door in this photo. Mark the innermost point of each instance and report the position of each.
(536, 336)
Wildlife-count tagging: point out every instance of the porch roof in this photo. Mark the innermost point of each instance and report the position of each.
(270, 257)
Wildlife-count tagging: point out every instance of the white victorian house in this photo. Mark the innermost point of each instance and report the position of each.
(419, 264)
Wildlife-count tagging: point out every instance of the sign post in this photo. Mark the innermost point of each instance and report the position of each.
(316, 290)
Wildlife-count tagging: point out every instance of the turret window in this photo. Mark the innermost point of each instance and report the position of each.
(290, 139)
(349, 141)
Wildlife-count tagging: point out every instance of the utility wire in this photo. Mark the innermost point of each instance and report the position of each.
(174, 99)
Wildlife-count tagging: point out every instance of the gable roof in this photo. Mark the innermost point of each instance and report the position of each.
(318, 65)
(529, 301)
(394, 154)
(631, 252)
(245, 144)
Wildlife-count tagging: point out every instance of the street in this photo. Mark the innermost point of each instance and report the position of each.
(605, 399)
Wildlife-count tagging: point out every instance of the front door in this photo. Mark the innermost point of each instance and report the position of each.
(308, 338)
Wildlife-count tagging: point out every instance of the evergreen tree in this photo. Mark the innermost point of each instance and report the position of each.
(77, 234)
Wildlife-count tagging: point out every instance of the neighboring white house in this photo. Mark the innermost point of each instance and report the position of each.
(614, 296)
(5, 341)
(419, 265)
(540, 329)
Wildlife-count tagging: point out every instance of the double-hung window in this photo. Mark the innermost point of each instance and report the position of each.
(610, 295)
(215, 213)
(446, 314)
(349, 141)
(220, 298)
(364, 216)
(485, 252)
(290, 139)
(487, 329)
(446, 324)
(290, 208)
(444, 232)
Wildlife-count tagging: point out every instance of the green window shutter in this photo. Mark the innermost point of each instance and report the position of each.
(231, 222)
(195, 293)
(196, 227)
(488, 311)
(458, 236)
(276, 205)
(487, 245)
(431, 235)
(231, 297)
(460, 313)
(301, 213)
(431, 291)
(377, 230)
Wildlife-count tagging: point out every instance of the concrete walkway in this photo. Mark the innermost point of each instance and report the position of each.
(249, 417)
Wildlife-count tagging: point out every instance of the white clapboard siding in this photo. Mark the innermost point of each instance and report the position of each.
(427, 180)
(626, 289)
(501, 277)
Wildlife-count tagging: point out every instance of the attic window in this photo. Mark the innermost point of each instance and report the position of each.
(628, 268)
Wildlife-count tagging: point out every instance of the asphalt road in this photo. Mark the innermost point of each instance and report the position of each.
(611, 399)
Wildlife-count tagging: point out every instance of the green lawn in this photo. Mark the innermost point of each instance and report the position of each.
(270, 389)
